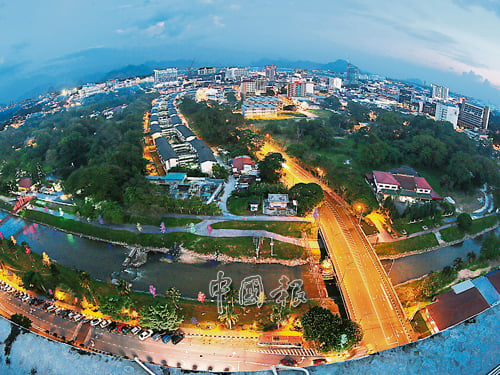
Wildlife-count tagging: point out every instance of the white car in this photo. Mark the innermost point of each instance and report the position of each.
(70, 315)
(77, 317)
(135, 330)
(95, 322)
(145, 334)
(105, 323)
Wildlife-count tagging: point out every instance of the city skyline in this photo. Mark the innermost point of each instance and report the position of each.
(450, 43)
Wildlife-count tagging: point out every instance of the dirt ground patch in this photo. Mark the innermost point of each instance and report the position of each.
(468, 202)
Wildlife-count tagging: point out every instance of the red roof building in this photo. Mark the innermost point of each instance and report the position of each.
(25, 183)
(243, 164)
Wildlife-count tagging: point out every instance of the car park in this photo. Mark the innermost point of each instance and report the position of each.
(111, 326)
(157, 335)
(145, 334)
(95, 322)
(135, 330)
(126, 329)
(57, 310)
(70, 314)
(118, 327)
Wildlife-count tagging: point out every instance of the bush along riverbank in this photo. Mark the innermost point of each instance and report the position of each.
(239, 248)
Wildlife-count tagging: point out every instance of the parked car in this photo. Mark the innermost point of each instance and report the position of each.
(145, 334)
(118, 328)
(319, 361)
(105, 323)
(177, 337)
(77, 317)
(95, 322)
(157, 335)
(288, 361)
(166, 338)
(135, 330)
(111, 326)
(126, 329)
(70, 314)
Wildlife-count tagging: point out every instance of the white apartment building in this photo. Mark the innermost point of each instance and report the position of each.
(447, 112)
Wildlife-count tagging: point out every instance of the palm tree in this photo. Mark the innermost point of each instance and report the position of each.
(457, 263)
(279, 314)
(84, 280)
(174, 295)
(471, 257)
(228, 317)
(123, 287)
(231, 296)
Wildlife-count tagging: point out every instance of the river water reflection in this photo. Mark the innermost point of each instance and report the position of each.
(414, 266)
(104, 262)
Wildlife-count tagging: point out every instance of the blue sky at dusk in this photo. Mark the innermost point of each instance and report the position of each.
(449, 42)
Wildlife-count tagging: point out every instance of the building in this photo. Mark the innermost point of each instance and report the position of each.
(236, 74)
(447, 112)
(184, 133)
(253, 87)
(472, 116)
(439, 92)
(261, 106)
(24, 184)
(352, 75)
(168, 156)
(279, 204)
(242, 165)
(296, 89)
(402, 187)
(205, 71)
(334, 83)
(405, 95)
(253, 205)
(206, 158)
(464, 301)
(271, 73)
(168, 75)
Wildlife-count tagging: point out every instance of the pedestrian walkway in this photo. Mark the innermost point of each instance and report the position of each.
(290, 352)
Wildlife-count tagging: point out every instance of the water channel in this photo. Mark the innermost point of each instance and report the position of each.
(104, 261)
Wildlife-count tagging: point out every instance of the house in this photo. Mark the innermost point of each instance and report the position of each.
(253, 206)
(405, 188)
(279, 204)
(185, 134)
(242, 164)
(25, 184)
(168, 156)
(464, 301)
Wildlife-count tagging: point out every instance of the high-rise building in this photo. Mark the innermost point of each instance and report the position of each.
(207, 70)
(271, 72)
(334, 83)
(352, 75)
(253, 87)
(165, 75)
(447, 112)
(473, 116)
(439, 92)
(236, 74)
(296, 89)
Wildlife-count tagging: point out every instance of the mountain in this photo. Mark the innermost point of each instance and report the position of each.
(338, 66)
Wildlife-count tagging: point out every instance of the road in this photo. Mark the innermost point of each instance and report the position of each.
(220, 351)
(367, 291)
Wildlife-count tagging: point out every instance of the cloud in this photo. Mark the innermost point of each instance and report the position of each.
(2, 60)
(218, 21)
(156, 29)
(490, 5)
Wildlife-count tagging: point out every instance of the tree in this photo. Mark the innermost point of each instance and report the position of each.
(116, 306)
(270, 167)
(84, 278)
(229, 317)
(471, 257)
(307, 196)
(464, 221)
(279, 314)
(33, 280)
(220, 172)
(330, 332)
(160, 316)
(491, 248)
(174, 295)
(331, 102)
(457, 263)
(21, 320)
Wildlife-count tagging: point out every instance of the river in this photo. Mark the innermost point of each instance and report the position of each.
(103, 261)
(414, 266)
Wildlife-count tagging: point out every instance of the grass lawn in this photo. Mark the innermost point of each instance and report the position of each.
(368, 229)
(286, 228)
(455, 233)
(321, 113)
(403, 246)
(5, 206)
(156, 220)
(419, 325)
(240, 205)
(402, 224)
(231, 246)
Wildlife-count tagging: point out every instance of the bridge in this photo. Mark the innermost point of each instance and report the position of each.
(22, 202)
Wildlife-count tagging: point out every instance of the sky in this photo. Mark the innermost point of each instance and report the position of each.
(449, 42)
